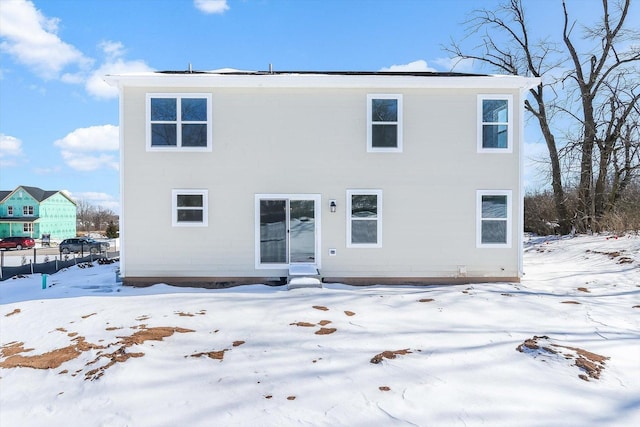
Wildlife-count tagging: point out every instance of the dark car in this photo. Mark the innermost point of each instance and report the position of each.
(17, 243)
(83, 244)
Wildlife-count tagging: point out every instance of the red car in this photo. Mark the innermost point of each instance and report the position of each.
(17, 243)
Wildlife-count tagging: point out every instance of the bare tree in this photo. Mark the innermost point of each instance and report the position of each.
(93, 217)
(84, 213)
(102, 216)
(597, 75)
(603, 76)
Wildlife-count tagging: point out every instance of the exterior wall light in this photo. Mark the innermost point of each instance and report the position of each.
(332, 205)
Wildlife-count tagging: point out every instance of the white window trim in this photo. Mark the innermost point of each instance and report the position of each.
(178, 121)
(9, 210)
(174, 207)
(377, 193)
(27, 227)
(287, 196)
(26, 209)
(479, 219)
(370, 147)
(509, 123)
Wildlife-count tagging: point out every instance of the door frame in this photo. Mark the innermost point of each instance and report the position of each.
(317, 198)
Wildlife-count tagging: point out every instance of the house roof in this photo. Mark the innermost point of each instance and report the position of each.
(321, 79)
(38, 194)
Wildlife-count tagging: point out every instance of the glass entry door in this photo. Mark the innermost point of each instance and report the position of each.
(287, 230)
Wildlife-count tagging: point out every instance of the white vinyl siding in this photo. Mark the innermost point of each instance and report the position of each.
(364, 218)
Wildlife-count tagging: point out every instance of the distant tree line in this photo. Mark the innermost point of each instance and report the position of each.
(92, 218)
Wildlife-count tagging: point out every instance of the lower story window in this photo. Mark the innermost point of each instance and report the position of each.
(189, 208)
(493, 218)
(364, 218)
(27, 227)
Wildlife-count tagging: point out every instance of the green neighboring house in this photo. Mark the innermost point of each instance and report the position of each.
(31, 211)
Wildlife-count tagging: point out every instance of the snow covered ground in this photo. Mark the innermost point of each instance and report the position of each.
(560, 348)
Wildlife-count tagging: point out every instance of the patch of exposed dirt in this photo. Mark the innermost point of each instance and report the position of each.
(186, 314)
(584, 290)
(88, 315)
(118, 356)
(570, 302)
(291, 398)
(13, 348)
(384, 388)
(13, 356)
(426, 300)
(320, 307)
(321, 331)
(216, 355)
(16, 311)
(153, 334)
(303, 324)
(614, 255)
(388, 354)
(49, 360)
(349, 313)
(590, 364)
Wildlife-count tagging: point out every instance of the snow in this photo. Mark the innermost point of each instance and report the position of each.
(260, 355)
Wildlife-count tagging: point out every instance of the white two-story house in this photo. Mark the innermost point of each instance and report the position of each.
(363, 177)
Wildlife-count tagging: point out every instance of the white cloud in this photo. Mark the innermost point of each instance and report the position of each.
(31, 38)
(94, 138)
(211, 6)
(47, 171)
(457, 64)
(114, 64)
(419, 65)
(112, 49)
(10, 148)
(83, 149)
(87, 163)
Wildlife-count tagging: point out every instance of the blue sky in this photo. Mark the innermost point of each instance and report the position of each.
(59, 120)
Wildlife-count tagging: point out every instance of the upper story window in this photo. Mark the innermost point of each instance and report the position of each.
(364, 218)
(493, 219)
(179, 122)
(9, 210)
(495, 123)
(384, 123)
(190, 208)
(27, 211)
